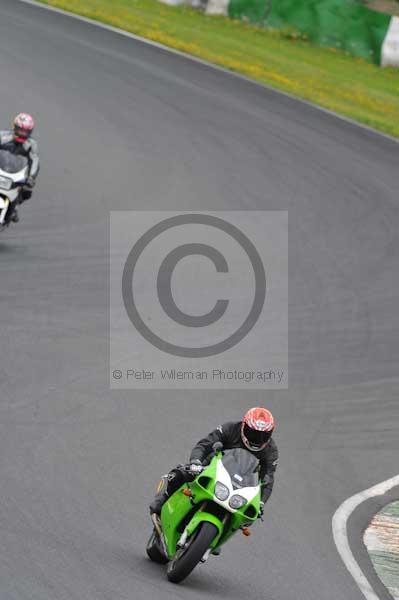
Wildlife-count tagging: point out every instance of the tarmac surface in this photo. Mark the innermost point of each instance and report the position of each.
(125, 125)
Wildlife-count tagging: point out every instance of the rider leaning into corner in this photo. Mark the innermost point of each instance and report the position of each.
(254, 433)
(18, 141)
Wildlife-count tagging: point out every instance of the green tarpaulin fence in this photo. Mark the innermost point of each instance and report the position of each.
(334, 23)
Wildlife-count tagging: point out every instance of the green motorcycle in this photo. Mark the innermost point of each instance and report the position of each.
(202, 515)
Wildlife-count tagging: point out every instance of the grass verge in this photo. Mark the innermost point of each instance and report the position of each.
(349, 86)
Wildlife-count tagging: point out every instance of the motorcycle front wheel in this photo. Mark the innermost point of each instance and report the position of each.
(187, 558)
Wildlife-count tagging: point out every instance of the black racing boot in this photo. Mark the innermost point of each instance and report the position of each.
(160, 497)
(158, 502)
(14, 217)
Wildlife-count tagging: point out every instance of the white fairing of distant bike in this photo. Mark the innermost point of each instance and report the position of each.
(8, 196)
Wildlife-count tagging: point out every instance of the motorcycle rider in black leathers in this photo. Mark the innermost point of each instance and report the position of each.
(19, 141)
(253, 433)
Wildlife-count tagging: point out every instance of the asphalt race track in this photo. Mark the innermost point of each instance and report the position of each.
(126, 125)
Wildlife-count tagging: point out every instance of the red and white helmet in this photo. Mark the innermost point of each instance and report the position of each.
(23, 126)
(257, 428)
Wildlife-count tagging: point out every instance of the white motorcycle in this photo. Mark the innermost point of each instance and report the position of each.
(14, 171)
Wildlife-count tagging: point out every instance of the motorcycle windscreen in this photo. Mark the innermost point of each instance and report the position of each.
(12, 163)
(242, 466)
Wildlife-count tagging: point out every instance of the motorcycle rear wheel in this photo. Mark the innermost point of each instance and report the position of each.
(187, 558)
(154, 550)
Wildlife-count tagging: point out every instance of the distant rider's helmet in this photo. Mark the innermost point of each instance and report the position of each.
(257, 428)
(23, 126)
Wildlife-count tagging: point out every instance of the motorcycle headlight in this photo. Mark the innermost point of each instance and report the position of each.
(5, 183)
(221, 491)
(237, 501)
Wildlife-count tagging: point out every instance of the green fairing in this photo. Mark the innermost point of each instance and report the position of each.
(175, 512)
(202, 516)
(340, 24)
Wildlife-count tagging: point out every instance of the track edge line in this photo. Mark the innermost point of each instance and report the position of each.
(340, 533)
(201, 61)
